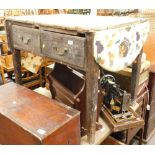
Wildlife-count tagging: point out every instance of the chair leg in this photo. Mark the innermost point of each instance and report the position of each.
(126, 139)
(2, 73)
(141, 131)
(42, 77)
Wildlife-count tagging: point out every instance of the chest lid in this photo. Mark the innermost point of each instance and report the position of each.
(35, 113)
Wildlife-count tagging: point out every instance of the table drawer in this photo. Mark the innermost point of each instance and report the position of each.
(65, 48)
(25, 38)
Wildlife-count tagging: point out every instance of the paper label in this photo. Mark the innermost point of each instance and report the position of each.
(14, 102)
(148, 107)
(41, 131)
(70, 42)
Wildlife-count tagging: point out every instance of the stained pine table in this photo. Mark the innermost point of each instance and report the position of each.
(83, 42)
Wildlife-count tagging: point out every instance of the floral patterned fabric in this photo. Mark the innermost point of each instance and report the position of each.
(115, 49)
(31, 61)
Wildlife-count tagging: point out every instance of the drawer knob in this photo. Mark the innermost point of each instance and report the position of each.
(65, 50)
(21, 37)
(25, 40)
(61, 53)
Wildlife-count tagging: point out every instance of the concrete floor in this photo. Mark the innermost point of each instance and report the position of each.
(151, 141)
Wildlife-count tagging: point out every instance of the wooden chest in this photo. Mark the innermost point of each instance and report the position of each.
(27, 117)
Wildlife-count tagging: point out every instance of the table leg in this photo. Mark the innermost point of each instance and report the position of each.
(17, 66)
(42, 77)
(141, 132)
(135, 77)
(2, 74)
(127, 137)
(10, 74)
(92, 73)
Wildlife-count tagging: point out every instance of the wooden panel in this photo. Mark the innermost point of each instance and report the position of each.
(62, 47)
(13, 134)
(61, 137)
(32, 118)
(25, 38)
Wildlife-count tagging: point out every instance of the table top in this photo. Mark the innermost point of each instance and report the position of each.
(85, 23)
(117, 40)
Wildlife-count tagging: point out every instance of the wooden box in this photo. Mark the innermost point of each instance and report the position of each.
(27, 117)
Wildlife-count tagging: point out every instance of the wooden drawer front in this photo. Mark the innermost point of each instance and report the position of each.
(65, 48)
(27, 39)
